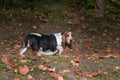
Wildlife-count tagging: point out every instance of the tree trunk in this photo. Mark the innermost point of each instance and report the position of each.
(100, 8)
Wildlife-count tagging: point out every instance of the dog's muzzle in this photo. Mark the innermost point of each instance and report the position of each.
(69, 45)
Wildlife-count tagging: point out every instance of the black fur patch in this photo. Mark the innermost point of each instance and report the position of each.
(46, 42)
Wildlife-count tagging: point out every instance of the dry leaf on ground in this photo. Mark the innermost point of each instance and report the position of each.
(51, 69)
(29, 77)
(13, 64)
(16, 79)
(23, 70)
(23, 61)
(16, 71)
(56, 76)
(111, 56)
(75, 62)
(46, 60)
(94, 74)
(108, 50)
(34, 27)
(65, 71)
(4, 59)
(42, 67)
(79, 72)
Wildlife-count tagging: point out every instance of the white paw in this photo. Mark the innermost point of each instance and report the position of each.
(38, 54)
(22, 55)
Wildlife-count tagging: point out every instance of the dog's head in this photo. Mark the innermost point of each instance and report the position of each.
(67, 39)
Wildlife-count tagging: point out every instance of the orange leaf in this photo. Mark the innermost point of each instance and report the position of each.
(93, 74)
(51, 69)
(13, 64)
(16, 79)
(56, 76)
(23, 70)
(4, 59)
(42, 67)
(79, 72)
(16, 71)
(66, 71)
(29, 77)
(23, 61)
(34, 27)
(108, 50)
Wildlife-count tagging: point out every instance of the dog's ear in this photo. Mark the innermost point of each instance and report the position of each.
(64, 32)
(68, 33)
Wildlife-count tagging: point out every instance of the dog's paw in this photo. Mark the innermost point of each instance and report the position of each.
(38, 54)
(22, 55)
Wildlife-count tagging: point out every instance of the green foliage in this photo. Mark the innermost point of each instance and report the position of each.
(56, 8)
(86, 5)
(112, 8)
(3, 18)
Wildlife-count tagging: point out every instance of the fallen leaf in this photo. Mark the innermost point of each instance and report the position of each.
(23, 61)
(4, 59)
(19, 42)
(56, 76)
(13, 64)
(108, 50)
(52, 69)
(23, 70)
(65, 71)
(46, 60)
(96, 56)
(77, 60)
(94, 74)
(117, 39)
(88, 47)
(106, 73)
(16, 46)
(117, 68)
(16, 79)
(29, 77)
(34, 27)
(79, 72)
(42, 67)
(74, 63)
(111, 56)
(16, 71)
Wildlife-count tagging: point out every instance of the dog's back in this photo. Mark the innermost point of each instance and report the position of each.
(46, 42)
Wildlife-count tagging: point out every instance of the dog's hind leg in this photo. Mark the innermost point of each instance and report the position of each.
(23, 51)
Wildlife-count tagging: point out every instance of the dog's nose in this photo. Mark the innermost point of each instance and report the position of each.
(71, 41)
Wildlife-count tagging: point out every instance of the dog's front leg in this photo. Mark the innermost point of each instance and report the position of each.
(60, 48)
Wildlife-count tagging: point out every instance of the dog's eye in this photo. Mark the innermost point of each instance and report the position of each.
(67, 35)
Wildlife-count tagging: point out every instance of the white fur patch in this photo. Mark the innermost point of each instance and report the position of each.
(23, 51)
(48, 52)
(37, 34)
(58, 38)
(70, 37)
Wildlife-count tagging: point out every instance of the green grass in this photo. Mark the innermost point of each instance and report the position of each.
(66, 77)
(55, 61)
